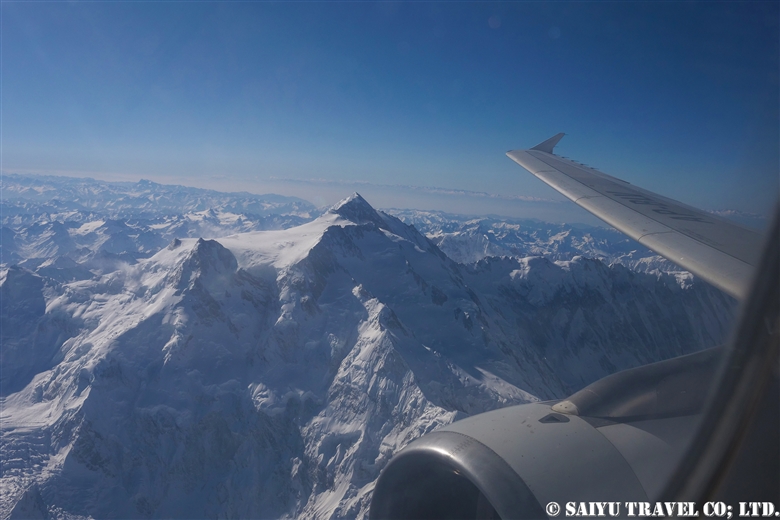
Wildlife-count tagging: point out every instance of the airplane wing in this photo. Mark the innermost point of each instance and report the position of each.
(719, 251)
(621, 438)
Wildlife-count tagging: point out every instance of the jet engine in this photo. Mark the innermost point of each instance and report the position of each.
(616, 440)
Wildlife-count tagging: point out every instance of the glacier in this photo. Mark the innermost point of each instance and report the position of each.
(272, 373)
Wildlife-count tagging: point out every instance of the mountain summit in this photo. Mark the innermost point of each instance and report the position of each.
(355, 209)
(274, 373)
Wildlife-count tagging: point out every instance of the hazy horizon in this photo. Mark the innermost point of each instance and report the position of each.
(325, 193)
(680, 98)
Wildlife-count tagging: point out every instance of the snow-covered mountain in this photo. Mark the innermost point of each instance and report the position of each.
(51, 225)
(470, 239)
(272, 374)
(143, 199)
(68, 228)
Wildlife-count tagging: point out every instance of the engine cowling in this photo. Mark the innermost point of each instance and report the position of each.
(616, 440)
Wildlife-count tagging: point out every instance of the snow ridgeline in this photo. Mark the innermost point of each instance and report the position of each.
(273, 374)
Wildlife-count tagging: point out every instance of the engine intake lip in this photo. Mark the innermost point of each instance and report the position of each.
(460, 457)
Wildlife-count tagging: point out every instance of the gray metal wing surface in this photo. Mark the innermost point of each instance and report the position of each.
(719, 251)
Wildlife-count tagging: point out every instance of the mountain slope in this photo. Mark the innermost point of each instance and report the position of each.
(274, 373)
(143, 199)
(470, 239)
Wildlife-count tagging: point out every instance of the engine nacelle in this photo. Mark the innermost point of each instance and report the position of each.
(617, 440)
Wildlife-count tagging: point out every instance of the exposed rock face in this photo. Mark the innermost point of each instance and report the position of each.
(274, 373)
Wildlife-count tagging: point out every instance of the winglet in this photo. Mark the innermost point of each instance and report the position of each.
(548, 145)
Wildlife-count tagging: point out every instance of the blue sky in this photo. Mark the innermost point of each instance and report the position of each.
(317, 99)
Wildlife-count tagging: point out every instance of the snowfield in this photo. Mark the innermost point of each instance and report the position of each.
(273, 373)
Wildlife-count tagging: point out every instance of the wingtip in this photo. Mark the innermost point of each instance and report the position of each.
(548, 145)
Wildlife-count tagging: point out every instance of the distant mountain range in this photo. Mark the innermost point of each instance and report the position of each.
(97, 224)
(143, 199)
(148, 372)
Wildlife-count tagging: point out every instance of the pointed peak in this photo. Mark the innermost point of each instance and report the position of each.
(352, 200)
(355, 209)
(207, 261)
(212, 254)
